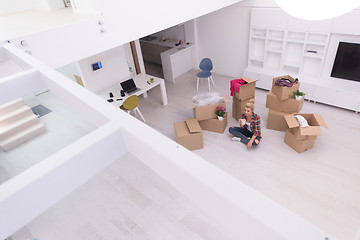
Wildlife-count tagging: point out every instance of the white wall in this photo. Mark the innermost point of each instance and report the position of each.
(87, 6)
(17, 5)
(12, 6)
(114, 69)
(223, 36)
(70, 70)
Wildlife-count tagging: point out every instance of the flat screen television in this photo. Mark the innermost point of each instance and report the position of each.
(347, 62)
(96, 66)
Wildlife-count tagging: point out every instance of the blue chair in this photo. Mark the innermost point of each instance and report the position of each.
(206, 66)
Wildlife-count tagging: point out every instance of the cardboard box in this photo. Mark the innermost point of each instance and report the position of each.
(208, 112)
(189, 134)
(247, 90)
(238, 107)
(276, 120)
(298, 145)
(284, 93)
(315, 122)
(214, 125)
(289, 106)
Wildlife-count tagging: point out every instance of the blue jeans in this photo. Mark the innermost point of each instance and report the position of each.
(244, 134)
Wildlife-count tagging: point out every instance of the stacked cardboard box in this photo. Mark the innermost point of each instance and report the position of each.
(189, 132)
(303, 138)
(241, 98)
(208, 119)
(280, 102)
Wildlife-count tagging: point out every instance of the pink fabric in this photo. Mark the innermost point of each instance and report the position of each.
(236, 84)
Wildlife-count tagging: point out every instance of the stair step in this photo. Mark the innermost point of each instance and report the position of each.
(22, 136)
(9, 106)
(15, 115)
(17, 126)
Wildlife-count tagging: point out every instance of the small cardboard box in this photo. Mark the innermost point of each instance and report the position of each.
(189, 134)
(315, 122)
(238, 107)
(289, 106)
(214, 125)
(284, 93)
(247, 90)
(298, 145)
(276, 120)
(208, 111)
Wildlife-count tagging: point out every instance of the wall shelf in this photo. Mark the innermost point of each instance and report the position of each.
(298, 53)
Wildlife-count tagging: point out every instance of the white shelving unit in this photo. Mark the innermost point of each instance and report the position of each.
(275, 52)
(291, 52)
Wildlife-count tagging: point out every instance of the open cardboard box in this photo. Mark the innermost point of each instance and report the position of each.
(290, 105)
(284, 93)
(247, 90)
(189, 134)
(214, 125)
(208, 111)
(315, 122)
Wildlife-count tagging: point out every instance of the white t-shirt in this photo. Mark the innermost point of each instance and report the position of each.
(248, 126)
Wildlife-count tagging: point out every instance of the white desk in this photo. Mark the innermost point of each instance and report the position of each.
(141, 82)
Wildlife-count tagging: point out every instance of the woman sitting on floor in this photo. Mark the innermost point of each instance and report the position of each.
(249, 131)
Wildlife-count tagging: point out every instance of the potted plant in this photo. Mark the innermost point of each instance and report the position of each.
(298, 95)
(220, 112)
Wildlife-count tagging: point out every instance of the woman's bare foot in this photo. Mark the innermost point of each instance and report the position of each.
(256, 141)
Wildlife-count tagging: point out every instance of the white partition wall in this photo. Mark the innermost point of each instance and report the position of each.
(115, 68)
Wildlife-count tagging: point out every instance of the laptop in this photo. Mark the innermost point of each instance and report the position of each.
(129, 86)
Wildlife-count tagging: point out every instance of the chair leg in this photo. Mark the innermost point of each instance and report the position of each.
(197, 84)
(209, 83)
(138, 111)
(212, 80)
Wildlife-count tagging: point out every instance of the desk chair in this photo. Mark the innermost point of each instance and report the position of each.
(206, 66)
(131, 103)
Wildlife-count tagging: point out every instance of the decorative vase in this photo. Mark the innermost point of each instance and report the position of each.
(220, 118)
(298, 98)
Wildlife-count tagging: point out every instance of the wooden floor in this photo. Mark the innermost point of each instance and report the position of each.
(129, 201)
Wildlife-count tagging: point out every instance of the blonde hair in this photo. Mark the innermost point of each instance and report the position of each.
(250, 104)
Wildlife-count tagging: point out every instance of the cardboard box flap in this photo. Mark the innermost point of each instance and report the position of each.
(291, 121)
(310, 131)
(248, 80)
(193, 125)
(319, 119)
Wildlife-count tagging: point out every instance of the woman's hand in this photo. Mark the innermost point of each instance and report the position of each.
(249, 145)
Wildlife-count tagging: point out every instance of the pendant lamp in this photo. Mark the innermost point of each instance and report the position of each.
(317, 9)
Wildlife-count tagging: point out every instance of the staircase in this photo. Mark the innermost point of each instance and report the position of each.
(18, 124)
